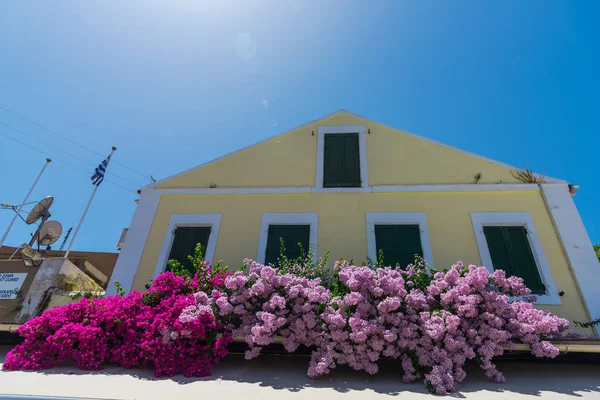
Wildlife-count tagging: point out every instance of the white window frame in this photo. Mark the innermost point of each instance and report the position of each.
(524, 219)
(311, 219)
(362, 150)
(189, 220)
(399, 218)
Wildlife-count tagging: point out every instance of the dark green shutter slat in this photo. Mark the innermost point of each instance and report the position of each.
(510, 251)
(291, 235)
(409, 238)
(273, 245)
(523, 260)
(185, 241)
(498, 249)
(299, 241)
(351, 160)
(384, 240)
(399, 243)
(180, 245)
(332, 165)
(341, 160)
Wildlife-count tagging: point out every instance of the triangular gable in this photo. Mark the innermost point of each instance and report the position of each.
(288, 159)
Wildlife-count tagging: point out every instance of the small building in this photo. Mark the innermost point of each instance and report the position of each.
(356, 187)
(28, 287)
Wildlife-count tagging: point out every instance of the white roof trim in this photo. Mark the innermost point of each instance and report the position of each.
(461, 187)
(153, 185)
(548, 179)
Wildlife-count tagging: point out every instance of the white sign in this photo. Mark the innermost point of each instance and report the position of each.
(10, 284)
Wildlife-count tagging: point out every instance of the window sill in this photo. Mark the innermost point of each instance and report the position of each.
(542, 299)
(367, 189)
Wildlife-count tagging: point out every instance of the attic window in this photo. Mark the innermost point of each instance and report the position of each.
(341, 164)
(342, 158)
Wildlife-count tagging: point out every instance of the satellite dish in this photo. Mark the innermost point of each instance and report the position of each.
(49, 233)
(40, 210)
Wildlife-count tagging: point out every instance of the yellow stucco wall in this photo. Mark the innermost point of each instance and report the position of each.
(342, 227)
(290, 160)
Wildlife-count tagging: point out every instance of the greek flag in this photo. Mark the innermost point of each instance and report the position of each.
(98, 176)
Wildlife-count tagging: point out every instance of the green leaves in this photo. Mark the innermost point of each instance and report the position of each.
(306, 265)
(119, 289)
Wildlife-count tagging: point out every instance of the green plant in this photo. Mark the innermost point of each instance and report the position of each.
(374, 264)
(119, 289)
(590, 324)
(304, 265)
(527, 176)
(196, 260)
(477, 177)
(597, 250)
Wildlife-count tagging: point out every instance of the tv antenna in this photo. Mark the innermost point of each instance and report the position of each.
(48, 233)
(40, 211)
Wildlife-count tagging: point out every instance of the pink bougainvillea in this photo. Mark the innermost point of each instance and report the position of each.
(431, 322)
(168, 327)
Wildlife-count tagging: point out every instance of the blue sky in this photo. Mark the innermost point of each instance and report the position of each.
(173, 84)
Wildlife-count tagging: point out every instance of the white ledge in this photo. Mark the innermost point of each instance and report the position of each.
(461, 187)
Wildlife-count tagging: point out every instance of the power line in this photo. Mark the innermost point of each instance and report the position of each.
(15, 210)
(10, 206)
(66, 162)
(70, 140)
(66, 152)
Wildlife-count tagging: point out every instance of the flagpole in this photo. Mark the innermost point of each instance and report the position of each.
(24, 201)
(87, 207)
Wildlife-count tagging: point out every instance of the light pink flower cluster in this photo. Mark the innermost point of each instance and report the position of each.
(432, 323)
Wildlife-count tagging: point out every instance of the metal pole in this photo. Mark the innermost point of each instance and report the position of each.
(22, 204)
(62, 246)
(88, 207)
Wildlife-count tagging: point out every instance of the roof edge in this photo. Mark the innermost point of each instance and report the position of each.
(153, 185)
(548, 179)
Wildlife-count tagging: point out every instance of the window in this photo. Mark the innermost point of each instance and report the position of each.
(295, 239)
(293, 229)
(400, 236)
(183, 233)
(510, 251)
(342, 159)
(509, 241)
(398, 243)
(185, 241)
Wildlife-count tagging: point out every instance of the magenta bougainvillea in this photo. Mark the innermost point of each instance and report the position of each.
(431, 322)
(170, 327)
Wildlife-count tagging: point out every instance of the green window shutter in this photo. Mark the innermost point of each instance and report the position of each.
(292, 236)
(341, 160)
(499, 250)
(510, 251)
(523, 260)
(185, 241)
(399, 243)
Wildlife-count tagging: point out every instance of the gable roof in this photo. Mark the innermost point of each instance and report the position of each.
(342, 111)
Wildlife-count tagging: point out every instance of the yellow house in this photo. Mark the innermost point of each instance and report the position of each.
(356, 187)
